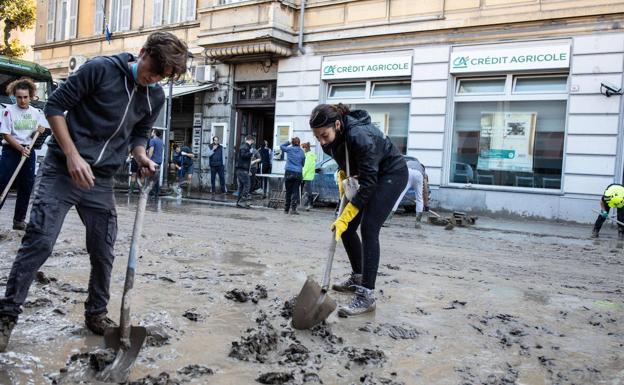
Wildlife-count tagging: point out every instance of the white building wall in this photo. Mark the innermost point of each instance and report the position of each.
(298, 92)
(428, 108)
(593, 119)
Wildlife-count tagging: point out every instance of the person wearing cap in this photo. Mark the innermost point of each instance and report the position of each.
(613, 197)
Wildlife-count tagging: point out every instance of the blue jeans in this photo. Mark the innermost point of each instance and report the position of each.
(24, 182)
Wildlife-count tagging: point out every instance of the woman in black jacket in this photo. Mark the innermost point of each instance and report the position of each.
(382, 174)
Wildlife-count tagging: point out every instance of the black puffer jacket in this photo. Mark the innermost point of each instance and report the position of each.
(371, 154)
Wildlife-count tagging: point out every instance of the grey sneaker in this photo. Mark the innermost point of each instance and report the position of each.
(7, 323)
(19, 225)
(362, 302)
(349, 285)
(98, 323)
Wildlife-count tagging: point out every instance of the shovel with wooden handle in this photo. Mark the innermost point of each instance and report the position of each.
(18, 168)
(127, 340)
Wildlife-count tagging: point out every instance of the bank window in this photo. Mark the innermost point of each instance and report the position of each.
(388, 89)
(387, 103)
(542, 84)
(347, 90)
(511, 140)
(481, 86)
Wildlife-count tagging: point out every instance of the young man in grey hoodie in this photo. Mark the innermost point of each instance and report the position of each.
(111, 103)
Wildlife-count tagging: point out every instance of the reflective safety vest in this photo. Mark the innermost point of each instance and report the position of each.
(614, 191)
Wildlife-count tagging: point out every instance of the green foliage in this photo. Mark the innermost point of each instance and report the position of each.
(16, 14)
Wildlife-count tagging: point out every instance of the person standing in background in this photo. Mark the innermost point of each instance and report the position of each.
(308, 173)
(266, 163)
(155, 153)
(295, 159)
(18, 125)
(217, 165)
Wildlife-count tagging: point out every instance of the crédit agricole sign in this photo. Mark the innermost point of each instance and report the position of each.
(367, 67)
(484, 59)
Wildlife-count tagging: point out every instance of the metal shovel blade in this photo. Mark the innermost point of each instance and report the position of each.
(119, 370)
(312, 306)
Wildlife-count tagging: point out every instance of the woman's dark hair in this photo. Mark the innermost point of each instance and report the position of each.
(325, 115)
(166, 50)
(295, 141)
(22, 84)
(158, 133)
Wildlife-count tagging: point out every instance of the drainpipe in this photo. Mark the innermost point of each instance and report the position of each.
(301, 12)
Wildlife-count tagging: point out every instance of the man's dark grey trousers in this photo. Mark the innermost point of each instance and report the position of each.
(55, 195)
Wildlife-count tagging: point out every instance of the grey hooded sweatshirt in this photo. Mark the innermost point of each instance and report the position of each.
(106, 112)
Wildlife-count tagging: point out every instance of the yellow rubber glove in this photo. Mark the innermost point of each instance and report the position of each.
(341, 177)
(341, 224)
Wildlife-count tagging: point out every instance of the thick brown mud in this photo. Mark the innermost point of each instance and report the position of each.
(503, 302)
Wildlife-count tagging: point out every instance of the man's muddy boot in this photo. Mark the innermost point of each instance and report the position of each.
(418, 219)
(363, 302)
(349, 285)
(7, 323)
(594, 233)
(19, 225)
(98, 323)
(294, 211)
(286, 211)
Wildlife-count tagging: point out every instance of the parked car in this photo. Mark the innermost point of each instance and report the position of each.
(325, 187)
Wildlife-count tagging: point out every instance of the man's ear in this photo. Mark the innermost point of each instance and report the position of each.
(338, 125)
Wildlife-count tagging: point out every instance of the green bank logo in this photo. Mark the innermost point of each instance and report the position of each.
(329, 70)
(461, 62)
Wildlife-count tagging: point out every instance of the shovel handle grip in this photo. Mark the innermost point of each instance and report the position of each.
(610, 218)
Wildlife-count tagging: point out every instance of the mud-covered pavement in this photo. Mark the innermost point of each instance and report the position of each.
(503, 302)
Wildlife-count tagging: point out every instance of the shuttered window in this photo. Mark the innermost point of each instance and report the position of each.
(126, 15)
(51, 20)
(73, 18)
(99, 17)
(157, 14)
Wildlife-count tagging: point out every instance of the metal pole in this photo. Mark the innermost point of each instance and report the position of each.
(165, 164)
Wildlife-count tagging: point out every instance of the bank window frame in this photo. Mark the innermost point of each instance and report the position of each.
(548, 76)
(507, 96)
(337, 85)
(368, 94)
(375, 83)
(468, 79)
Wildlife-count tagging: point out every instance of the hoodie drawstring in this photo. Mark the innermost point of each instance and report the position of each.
(148, 99)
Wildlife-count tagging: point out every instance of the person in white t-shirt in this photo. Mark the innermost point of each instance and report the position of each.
(18, 124)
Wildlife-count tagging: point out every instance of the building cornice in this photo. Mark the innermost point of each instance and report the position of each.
(116, 35)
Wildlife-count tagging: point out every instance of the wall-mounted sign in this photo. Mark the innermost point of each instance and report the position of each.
(367, 67)
(482, 58)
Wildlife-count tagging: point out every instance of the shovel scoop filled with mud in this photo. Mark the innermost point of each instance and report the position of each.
(313, 305)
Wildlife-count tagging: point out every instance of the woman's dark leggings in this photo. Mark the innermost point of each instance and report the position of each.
(364, 255)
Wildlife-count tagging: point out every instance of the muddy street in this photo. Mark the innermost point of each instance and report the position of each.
(503, 302)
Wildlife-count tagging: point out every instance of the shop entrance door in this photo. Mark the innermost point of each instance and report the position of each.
(257, 122)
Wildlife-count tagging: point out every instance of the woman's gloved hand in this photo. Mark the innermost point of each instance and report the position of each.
(341, 224)
(341, 177)
(604, 214)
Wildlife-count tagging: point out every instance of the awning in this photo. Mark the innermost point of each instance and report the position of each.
(178, 90)
(186, 89)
